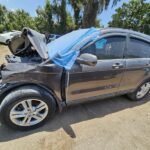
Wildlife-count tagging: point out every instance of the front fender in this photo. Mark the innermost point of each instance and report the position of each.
(7, 88)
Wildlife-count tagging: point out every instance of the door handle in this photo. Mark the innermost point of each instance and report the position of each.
(117, 66)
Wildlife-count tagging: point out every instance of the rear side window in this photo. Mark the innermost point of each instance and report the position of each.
(138, 49)
(107, 48)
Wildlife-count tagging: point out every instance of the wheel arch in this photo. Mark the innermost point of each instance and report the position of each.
(142, 82)
(14, 87)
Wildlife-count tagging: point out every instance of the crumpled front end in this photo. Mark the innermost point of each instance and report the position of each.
(2, 84)
(26, 55)
(13, 73)
(28, 43)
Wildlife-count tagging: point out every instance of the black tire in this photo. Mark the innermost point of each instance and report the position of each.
(133, 96)
(20, 95)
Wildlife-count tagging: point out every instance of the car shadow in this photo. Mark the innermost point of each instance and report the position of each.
(74, 114)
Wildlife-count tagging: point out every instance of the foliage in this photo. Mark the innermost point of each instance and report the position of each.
(3, 13)
(16, 20)
(91, 8)
(133, 15)
(86, 11)
(77, 8)
(19, 19)
(44, 21)
(55, 17)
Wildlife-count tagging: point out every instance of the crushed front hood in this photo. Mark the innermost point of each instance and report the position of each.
(38, 41)
(21, 44)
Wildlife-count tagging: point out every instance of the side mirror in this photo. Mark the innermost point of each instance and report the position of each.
(87, 59)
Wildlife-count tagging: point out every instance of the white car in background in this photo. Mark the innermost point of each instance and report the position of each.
(6, 37)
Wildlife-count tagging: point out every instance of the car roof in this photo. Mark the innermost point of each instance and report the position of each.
(120, 30)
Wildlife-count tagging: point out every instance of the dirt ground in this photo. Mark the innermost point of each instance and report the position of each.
(3, 51)
(111, 124)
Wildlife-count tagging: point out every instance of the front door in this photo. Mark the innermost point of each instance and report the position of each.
(104, 78)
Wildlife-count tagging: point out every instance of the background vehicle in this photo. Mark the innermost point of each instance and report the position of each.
(32, 87)
(6, 37)
(52, 37)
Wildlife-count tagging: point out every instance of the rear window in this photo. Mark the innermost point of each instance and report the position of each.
(138, 49)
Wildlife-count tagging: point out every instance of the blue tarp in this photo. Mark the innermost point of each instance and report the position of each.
(64, 50)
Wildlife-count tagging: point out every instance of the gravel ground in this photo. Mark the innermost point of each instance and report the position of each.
(111, 124)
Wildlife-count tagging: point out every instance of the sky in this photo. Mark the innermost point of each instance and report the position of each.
(31, 5)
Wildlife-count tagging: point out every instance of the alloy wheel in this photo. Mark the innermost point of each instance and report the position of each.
(143, 90)
(29, 112)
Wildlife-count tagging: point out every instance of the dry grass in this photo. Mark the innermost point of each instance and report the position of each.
(3, 51)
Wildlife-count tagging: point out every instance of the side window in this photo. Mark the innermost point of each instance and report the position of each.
(110, 48)
(90, 49)
(107, 48)
(138, 49)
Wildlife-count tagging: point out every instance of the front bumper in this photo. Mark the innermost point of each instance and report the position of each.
(2, 85)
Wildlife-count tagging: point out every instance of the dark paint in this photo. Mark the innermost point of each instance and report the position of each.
(93, 81)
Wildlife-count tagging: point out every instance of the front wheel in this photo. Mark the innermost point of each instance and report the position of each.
(27, 108)
(141, 92)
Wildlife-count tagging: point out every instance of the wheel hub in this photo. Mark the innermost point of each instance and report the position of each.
(143, 90)
(29, 112)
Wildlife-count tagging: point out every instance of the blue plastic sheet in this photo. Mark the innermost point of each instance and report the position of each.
(64, 50)
(100, 44)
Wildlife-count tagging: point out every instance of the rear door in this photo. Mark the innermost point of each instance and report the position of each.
(104, 78)
(137, 62)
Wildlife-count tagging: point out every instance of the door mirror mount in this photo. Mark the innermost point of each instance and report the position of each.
(87, 59)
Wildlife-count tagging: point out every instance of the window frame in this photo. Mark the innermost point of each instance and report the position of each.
(109, 35)
(134, 36)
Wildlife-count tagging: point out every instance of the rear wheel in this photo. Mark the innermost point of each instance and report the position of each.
(27, 108)
(141, 92)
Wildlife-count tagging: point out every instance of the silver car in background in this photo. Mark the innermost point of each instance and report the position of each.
(6, 37)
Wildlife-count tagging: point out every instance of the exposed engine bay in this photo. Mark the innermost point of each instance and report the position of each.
(34, 58)
(23, 50)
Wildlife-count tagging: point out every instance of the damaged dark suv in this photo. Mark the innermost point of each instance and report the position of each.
(40, 78)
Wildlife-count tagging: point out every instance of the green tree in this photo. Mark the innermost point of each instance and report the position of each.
(92, 8)
(19, 19)
(44, 20)
(63, 17)
(134, 15)
(54, 18)
(15, 20)
(3, 16)
(77, 6)
(66, 21)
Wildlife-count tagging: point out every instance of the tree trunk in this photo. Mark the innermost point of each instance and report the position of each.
(90, 14)
(63, 17)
